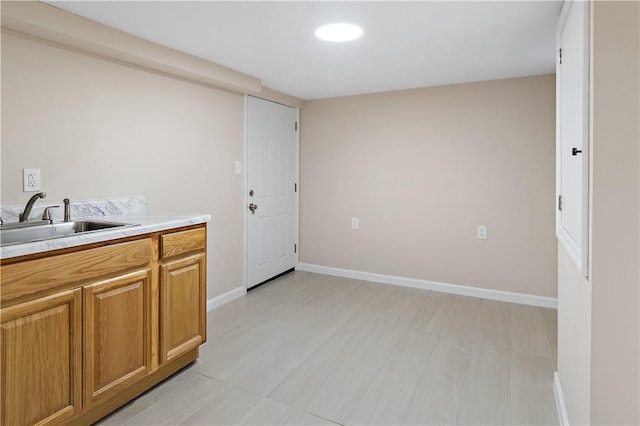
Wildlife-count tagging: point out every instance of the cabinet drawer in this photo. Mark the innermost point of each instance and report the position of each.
(34, 276)
(183, 242)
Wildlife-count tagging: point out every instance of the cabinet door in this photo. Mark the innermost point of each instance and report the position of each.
(182, 304)
(41, 359)
(117, 345)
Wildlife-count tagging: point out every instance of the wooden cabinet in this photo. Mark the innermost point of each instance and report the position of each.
(182, 293)
(85, 331)
(117, 337)
(42, 359)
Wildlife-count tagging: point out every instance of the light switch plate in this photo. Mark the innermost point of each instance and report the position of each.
(355, 223)
(31, 180)
(238, 167)
(482, 232)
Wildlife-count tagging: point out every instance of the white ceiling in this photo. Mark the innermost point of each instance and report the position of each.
(405, 44)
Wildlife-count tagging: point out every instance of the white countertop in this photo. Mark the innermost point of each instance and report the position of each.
(145, 224)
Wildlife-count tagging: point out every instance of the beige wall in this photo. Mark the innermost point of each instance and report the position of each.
(615, 271)
(98, 129)
(421, 169)
(574, 339)
(599, 320)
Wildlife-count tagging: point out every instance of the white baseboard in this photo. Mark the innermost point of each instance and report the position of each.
(485, 293)
(562, 409)
(225, 298)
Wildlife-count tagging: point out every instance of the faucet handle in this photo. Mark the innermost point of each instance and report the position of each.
(45, 214)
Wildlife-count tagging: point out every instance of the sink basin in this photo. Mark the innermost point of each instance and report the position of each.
(26, 234)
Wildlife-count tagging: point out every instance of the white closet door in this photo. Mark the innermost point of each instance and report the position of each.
(271, 178)
(573, 118)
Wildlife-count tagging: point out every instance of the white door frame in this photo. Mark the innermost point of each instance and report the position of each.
(245, 187)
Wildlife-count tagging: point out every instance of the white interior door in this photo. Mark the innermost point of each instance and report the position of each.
(572, 145)
(271, 135)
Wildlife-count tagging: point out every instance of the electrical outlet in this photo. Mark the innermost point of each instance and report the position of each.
(355, 223)
(482, 232)
(31, 181)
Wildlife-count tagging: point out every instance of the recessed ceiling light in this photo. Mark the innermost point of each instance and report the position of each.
(338, 32)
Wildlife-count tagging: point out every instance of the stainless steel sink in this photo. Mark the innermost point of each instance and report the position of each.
(29, 233)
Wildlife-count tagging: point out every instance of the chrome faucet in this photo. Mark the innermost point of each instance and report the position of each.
(67, 210)
(24, 216)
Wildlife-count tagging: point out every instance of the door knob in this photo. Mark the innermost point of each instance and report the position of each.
(253, 208)
(576, 151)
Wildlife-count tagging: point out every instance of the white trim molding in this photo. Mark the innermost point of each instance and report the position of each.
(484, 293)
(560, 406)
(225, 298)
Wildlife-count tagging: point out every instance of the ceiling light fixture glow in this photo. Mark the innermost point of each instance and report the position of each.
(338, 32)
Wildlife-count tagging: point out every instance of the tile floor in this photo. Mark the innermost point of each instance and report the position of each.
(309, 349)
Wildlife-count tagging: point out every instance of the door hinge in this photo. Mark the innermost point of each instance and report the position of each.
(560, 56)
(295, 248)
(295, 126)
(560, 202)
(295, 187)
